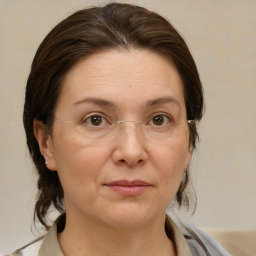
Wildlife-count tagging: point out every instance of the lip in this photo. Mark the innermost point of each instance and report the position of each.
(128, 188)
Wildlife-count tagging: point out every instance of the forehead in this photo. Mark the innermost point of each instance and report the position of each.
(122, 77)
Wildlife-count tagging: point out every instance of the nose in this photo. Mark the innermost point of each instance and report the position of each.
(130, 147)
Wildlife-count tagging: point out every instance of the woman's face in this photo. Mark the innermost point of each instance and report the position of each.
(130, 178)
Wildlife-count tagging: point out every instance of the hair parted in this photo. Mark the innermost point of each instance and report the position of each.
(113, 26)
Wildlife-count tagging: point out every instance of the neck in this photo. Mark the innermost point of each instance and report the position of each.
(95, 239)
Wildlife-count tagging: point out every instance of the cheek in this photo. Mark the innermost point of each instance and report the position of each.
(171, 161)
(78, 164)
(79, 169)
(172, 158)
(170, 176)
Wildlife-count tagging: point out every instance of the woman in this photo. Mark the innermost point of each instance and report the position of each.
(112, 102)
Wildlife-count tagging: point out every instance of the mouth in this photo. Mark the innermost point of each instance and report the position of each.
(128, 188)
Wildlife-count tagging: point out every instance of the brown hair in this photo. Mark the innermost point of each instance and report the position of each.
(114, 26)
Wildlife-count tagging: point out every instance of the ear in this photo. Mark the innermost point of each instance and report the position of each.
(188, 157)
(45, 143)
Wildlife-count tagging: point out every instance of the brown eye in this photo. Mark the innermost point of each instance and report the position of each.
(95, 120)
(158, 120)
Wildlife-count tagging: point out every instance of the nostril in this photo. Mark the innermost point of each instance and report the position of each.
(123, 161)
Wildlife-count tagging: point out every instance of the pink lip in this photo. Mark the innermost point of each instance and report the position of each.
(129, 188)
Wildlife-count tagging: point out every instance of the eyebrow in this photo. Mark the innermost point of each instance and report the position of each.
(107, 103)
(162, 101)
(95, 101)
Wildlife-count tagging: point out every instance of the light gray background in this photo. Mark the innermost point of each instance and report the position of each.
(221, 35)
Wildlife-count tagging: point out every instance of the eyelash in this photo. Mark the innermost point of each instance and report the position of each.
(167, 117)
(87, 117)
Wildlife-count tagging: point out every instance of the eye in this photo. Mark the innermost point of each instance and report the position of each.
(160, 120)
(95, 120)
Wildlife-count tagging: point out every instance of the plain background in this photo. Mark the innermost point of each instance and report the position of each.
(222, 37)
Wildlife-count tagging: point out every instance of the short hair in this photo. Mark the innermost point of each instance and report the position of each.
(86, 32)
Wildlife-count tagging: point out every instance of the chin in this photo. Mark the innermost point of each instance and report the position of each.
(130, 216)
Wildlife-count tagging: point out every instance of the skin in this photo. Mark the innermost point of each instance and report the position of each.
(101, 221)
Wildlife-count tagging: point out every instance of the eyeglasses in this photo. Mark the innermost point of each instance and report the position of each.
(96, 126)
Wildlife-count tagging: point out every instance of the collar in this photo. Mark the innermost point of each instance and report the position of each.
(172, 230)
(50, 244)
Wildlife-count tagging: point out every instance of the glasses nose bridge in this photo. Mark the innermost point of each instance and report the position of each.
(134, 123)
(136, 129)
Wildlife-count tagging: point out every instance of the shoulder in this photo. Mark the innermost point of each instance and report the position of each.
(200, 242)
(191, 241)
(45, 245)
(30, 249)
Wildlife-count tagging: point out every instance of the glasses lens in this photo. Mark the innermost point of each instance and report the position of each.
(99, 130)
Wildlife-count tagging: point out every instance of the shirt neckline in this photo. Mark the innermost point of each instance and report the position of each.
(50, 244)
